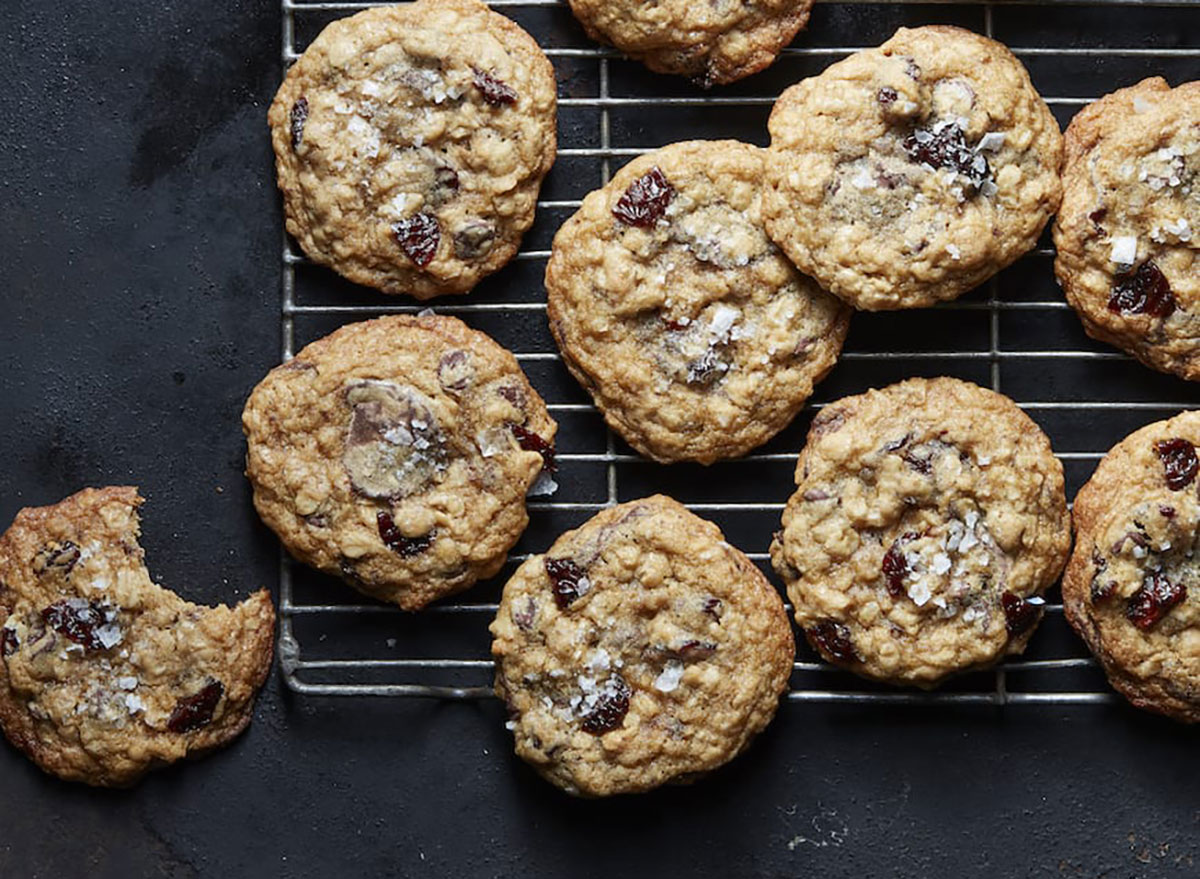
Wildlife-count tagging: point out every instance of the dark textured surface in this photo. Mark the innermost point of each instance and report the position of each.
(139, 229)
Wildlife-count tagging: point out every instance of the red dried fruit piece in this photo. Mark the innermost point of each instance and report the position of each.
(63, 557)
(79, 620)
(531, 442)
(9, 642)
(886, 96)
(714, 608)
(694, 651)
(1166, 512)
(833, 640)
(495, 91)
(398, 542)
(610, 709)
(196, 711)
(1142, 291)
(299, 116)
(419, 236)
(1178, 457)
(895, 565)
(646, 200)
(1019, 615)
(1152, 602)
(945, 146)
(567, 580)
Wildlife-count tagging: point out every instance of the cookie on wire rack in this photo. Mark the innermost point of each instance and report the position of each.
(396, 454)
(640, 650)
(1132, 587)
(1128, 234)
(710, 43)
(928, 519)
(695, 336)
(410, 144)
(910, 173)
(106, 675)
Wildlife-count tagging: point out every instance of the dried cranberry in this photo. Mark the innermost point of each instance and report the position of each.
(1019, 615)
(1166, 511)
(299, 116)
(79, 620)
(1142, 291)
(610, 709)
(567, 580)
(9, 642)
(895, 565)
(532, 442)
(1178, 457)
(397, 541)
(833, 640)
(646, 200)
(495, 91)
(886, 96)
(714, 608)
(63, 558)
(945, 146)
(694, 651)
(1152, 602)
(418, 236)
(196, 711)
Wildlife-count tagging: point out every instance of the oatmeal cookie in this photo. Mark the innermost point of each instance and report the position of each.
(106, 675)
(641, 649)
(928, 519)
(1132, 588)
(1128, 234)
(410, 143)
(696, 338)
(396, 454)
(712, 43)
(910, 173)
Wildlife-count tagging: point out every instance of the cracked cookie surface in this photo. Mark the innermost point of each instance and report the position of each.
(106, 675)
(695, 336)
(410, 143)
(641, 649)
(1132, 587)
(910, 173)
(711, 43)
(929, 517)
(396, 454)
(1128, 234)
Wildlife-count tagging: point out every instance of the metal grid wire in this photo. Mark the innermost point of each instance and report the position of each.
(1015, 334)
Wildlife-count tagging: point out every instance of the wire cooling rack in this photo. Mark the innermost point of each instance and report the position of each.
(1015, 334)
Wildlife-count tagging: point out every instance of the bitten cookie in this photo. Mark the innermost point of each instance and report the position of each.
(641, 649)
(1132, 588)
(908, 174)
(106, 675)
(1128, 234)
(696, 338)
(711, 43)
(410, 143)
(396, 454)
(929, 517)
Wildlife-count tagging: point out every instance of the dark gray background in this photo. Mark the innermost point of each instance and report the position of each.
(139, 229)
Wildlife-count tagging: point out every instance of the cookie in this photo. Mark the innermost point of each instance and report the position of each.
(410, 143)
(928, 519)
(1132, 587)
(641, 649)
(1128, 234)
(396, 454)
(711, 43)
(908, 174)
(106, 675)
(694, 335)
